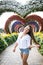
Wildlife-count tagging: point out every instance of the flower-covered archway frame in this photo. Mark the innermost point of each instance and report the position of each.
(28, 20)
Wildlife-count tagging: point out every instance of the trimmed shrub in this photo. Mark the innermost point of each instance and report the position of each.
(39, 39)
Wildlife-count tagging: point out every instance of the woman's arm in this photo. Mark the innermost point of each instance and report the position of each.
(35, 45)
(16, 44)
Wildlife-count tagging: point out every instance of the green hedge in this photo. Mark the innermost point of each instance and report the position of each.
(6, 41)
(39, 39)
(3, 44)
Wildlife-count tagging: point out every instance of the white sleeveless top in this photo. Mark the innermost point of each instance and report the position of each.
(23, 42)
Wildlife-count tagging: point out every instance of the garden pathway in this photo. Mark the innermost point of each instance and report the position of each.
(8, 57)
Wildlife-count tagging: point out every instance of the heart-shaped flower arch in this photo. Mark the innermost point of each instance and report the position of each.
(15, 22)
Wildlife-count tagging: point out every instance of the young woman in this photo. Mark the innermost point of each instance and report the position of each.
(25, 43)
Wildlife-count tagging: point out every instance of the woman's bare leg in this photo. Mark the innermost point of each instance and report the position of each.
(21, 56)
(25, 57)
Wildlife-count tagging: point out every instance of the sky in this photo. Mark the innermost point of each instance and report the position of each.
(4, 17)
(23, 2)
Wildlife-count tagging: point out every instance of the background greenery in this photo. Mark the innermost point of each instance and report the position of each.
(6, 40)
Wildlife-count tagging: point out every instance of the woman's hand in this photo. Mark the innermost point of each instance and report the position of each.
(30, 46)
(14, 49)
(38, 46)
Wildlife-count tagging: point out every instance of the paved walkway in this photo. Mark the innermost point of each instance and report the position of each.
(8, 57)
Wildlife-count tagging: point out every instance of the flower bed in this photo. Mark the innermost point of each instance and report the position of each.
(39, 39)
(6, 40)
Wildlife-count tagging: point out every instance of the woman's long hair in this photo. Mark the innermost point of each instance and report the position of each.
(32, 35)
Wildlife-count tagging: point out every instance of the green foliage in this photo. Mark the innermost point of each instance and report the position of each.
(10, 39)
(39, 39)
(6, 41)
(3, 44)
